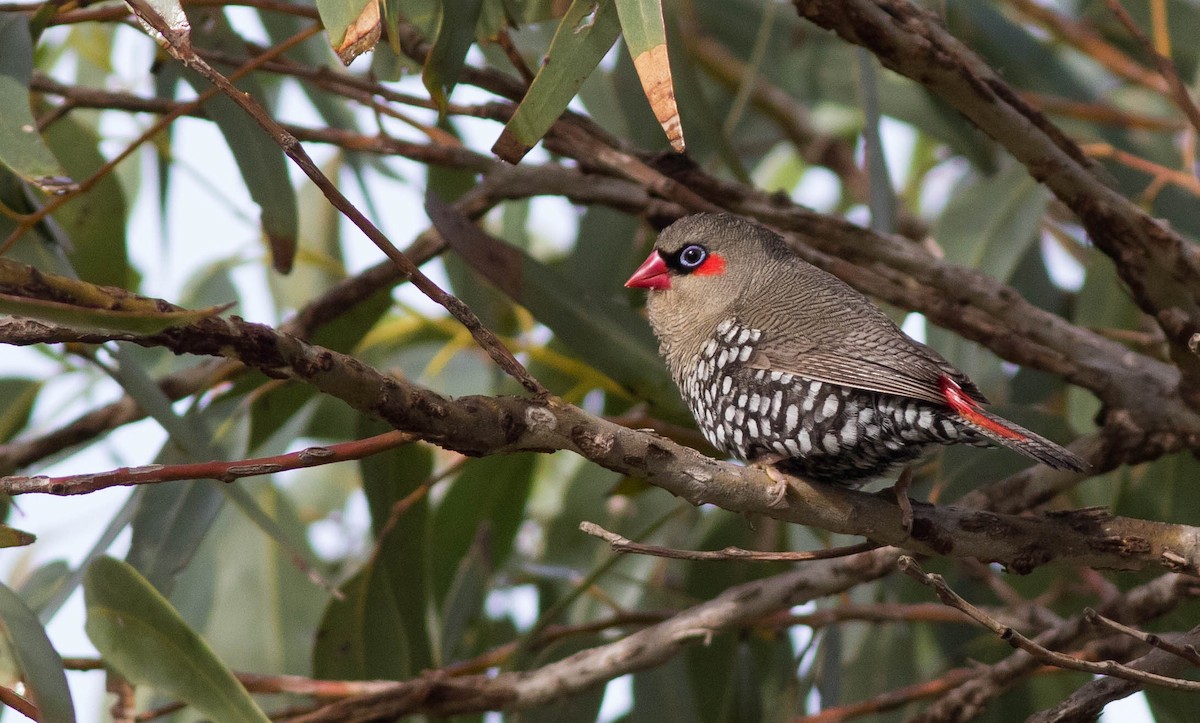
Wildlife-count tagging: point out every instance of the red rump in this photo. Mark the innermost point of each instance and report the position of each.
(970, 410)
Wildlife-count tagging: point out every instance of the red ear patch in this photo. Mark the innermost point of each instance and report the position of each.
(714, 265)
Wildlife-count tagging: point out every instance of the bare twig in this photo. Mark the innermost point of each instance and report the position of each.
(81, 484)
(179, 45)
(1090, 43)
(19, 703)
(1166, 66)
(1187, 652)
(624, 544)
(1107, 667)
(1086, 703)
(155, 128)
(892, 699)
(910, 40)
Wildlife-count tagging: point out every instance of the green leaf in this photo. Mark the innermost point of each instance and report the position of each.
(583, 37)
(464, 600)
(81, 317)
(40, 586)
(456, 33)
(262, 163)
(41, 666)
(490, 492)
(379, 629)
(353, 26)
(19, 396)
(21, 147)
(94, 221)
(602, 330)
(267, 625)
(646, 37)
(12, 537)
(140, 635)
(989, 224)
(170, 522)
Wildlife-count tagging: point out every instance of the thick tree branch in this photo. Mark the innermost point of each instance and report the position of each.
(1154, 261)
(497, 425)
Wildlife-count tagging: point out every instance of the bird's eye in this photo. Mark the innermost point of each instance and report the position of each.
(692, 256)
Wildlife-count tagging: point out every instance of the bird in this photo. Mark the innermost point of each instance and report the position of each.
(783, 364)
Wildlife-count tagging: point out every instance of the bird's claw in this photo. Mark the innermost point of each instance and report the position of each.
(901, 491)
(778, 490)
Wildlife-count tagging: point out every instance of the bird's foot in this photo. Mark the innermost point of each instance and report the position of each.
(779, 483)
(900, 489)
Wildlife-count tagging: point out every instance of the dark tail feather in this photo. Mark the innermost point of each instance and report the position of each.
(1015, 437)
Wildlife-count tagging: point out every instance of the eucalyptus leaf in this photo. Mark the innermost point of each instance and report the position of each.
(584, 36)
(41, 666)
(144, 639)
(21, 147)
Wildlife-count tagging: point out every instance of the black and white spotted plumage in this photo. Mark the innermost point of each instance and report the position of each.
(779, 361)
(820, 431)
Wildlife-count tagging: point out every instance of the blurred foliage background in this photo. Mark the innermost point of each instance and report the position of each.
(465, 565)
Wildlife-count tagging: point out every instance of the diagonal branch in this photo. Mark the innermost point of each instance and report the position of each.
(178, 44)
(1153, 260)
(735, 608)
(1087, 702)
(1144, 602)
(1014, 638)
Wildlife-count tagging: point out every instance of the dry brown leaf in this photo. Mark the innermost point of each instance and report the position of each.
(654, 70)
(361, 35)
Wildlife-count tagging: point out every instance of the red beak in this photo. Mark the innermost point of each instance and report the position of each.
(652, 274)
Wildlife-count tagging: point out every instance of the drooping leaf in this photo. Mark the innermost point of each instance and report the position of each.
(379, 629)
(40, 664)
(466, 594)
(646, 37)
(21, 147)
(585, 34)
(168, 526)
(990, 223)
(262, 164)
(490, 492)
(456, 33)
(353, 26)
(94, 221)
(140, 635)
(19, 395)
(264, 610)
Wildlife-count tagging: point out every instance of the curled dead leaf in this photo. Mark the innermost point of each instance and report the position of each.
(361, 35)
(654, 70)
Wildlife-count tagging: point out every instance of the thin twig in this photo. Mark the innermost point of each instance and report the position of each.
(179, 45)
(31, 219)
(624, 544)
(1105, 667)
(1166, 66)
(222, 471)
(19, 703)
(892, 699)
(1187, 652)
